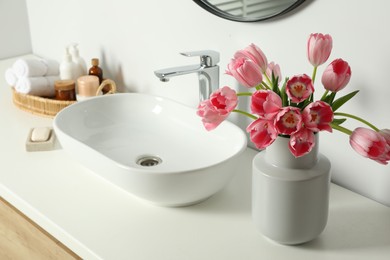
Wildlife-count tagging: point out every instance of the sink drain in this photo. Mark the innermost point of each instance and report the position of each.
(149, 161)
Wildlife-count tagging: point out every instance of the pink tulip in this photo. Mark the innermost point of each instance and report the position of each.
(299, 88)
(262, 132)
(265, 103)
(370, 144)
(336, 76)
(288, 121)
(302, 142)
(254, 53)
(275, 69)
(317, 116)
(245, 71)
(386, 134)
(216, 109)
(319, 47)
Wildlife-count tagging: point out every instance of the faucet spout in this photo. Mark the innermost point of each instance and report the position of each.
(207, 70)
(165, 74)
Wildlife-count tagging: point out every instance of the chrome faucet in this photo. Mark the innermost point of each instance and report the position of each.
(207, 70)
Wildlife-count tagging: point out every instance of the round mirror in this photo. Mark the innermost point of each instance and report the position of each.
(248, 10)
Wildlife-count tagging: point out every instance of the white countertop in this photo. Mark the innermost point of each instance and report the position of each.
(99, 221)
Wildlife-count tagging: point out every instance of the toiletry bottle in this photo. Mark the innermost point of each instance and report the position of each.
(67, 66)
(81, 66)
(95, 70)
(87, 87)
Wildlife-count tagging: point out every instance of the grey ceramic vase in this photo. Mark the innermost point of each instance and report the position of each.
(290, 196)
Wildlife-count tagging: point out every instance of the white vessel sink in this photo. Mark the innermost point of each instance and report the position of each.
(152, 147)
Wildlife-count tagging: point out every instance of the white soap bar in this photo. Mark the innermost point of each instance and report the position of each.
(40, 134)
(40, 139)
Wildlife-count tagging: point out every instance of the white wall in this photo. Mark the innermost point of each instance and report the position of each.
(134, 38)
(14, 29)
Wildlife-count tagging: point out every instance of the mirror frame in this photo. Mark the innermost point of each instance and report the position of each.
(212, 9)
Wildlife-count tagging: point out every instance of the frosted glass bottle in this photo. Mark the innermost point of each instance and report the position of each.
(67, 67)
(80, 65)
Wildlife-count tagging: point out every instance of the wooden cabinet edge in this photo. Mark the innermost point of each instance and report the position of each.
(21, 238)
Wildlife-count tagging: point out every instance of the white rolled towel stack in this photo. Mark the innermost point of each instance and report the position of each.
(37, 86)
(33, 76)
(11, 77)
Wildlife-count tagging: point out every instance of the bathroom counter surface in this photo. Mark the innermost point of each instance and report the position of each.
(96, 220)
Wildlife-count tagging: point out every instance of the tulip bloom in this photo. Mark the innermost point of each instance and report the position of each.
(299, 88)
(245, 71)
(386, 134)
(275, 69)
(288, 121)
(336, 76)
(370, 144)
(319, 47)
(265, 103)
(254, 53)
(216, 109)
(317, 116)
(262, 133)
(302, 142)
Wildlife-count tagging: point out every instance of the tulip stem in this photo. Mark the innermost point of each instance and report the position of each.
(358, 119)
(268, 79)
(313, 77)
(324, 95)
(265, 85)
(244, 94)
(341, 129)
(245, 114)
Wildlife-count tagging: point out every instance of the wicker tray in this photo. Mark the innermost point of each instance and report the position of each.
(50, 107)
(38, 105)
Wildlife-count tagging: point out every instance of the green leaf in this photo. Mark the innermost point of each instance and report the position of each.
(305, 103)
(338, 121)
(342, 100)
(274, 82)
(332, 96)
(283, 94)
(326, 99)
(329, 98)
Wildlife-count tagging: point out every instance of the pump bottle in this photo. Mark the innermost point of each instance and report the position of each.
(81, 66)
(67, 67)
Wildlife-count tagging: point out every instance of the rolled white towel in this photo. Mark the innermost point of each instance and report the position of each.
(29, 68)
(10, 77)
(35, 68)
(37, 86)
(53, 67)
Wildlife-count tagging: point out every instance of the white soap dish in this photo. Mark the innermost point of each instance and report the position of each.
(40, 139)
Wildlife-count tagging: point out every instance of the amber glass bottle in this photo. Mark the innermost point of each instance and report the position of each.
(96, 70)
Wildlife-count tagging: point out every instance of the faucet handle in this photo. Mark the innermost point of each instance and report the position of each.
(208, 58)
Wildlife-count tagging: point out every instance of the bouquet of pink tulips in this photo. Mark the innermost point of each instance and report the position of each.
(289, 109)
